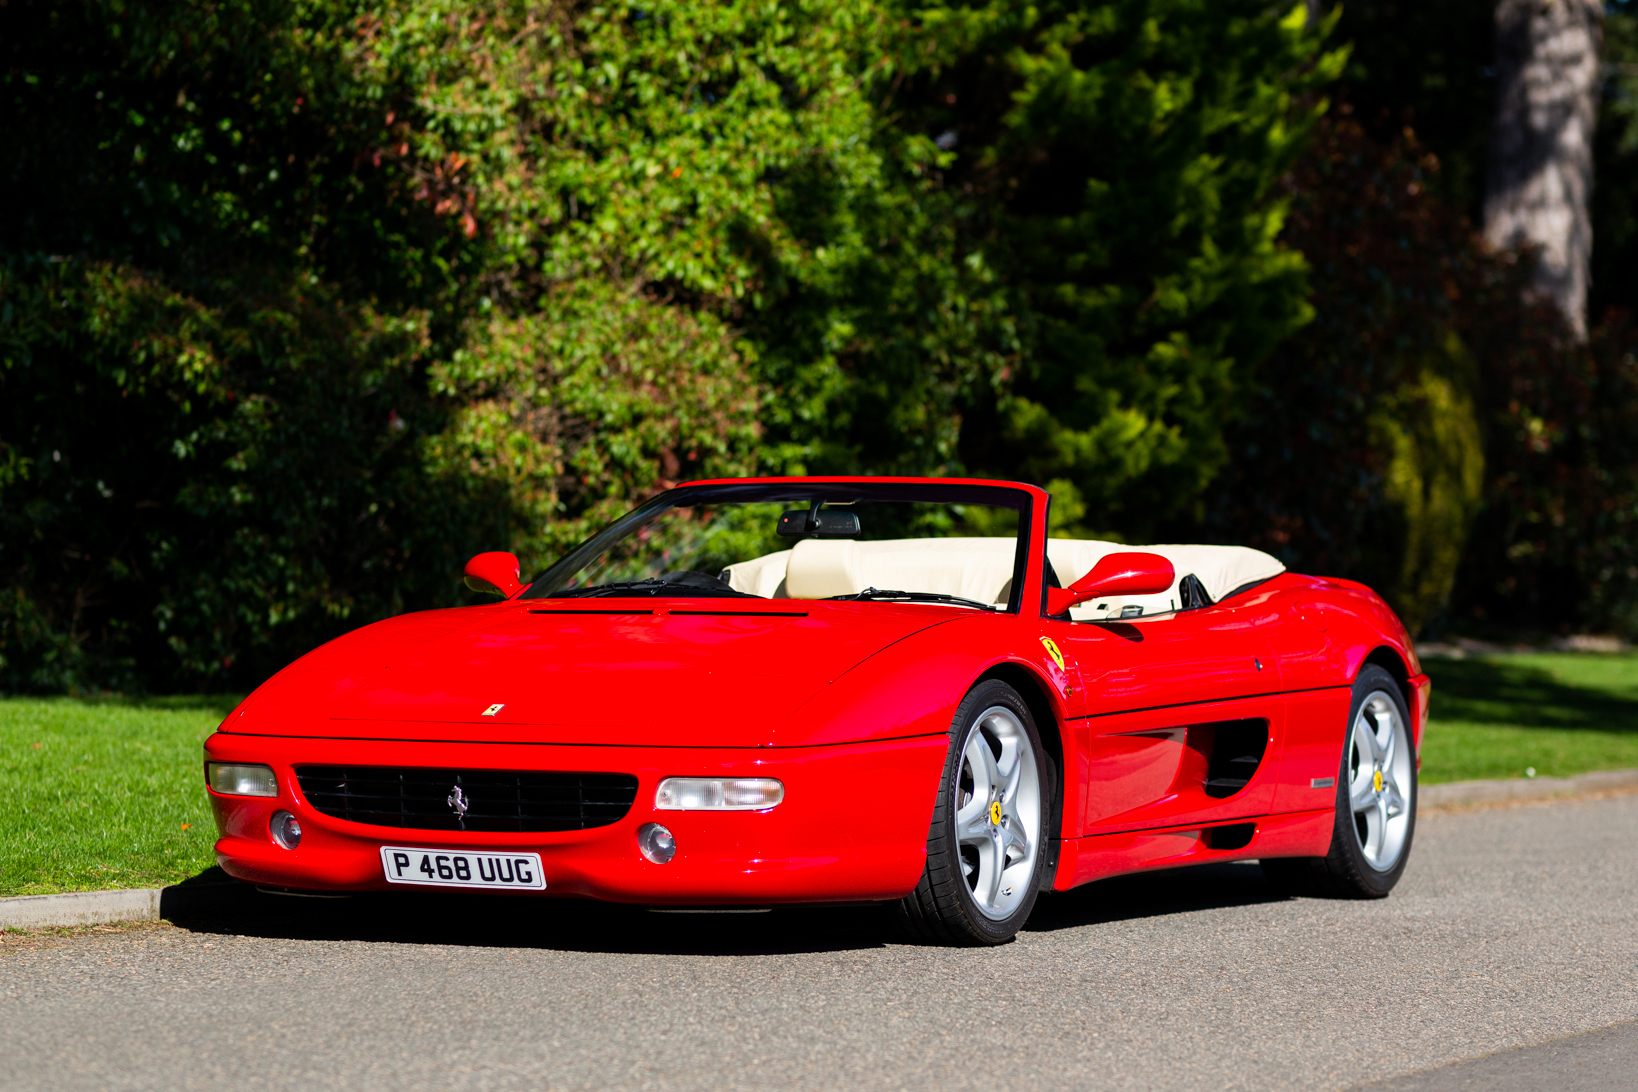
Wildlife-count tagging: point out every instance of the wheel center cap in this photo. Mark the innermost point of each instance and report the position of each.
(995, 811)
(1376, 779)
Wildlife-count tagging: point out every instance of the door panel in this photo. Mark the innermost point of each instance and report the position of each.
(1210, 654)
(1154, 767)
(1144, 683)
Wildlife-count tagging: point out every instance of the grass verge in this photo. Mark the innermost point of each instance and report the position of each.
(1559, 713)
(103, 794)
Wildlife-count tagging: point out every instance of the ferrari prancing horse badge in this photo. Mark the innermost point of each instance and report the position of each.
(1052, 650)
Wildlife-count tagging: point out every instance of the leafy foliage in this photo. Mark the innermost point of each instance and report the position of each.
(1362, 453)
(308, 299)
(1363, 450)
(1127, 155)
(1405, 294)
(1557, 546)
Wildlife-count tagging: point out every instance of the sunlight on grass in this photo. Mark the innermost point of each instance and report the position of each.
(99, 795)
(1558, 713)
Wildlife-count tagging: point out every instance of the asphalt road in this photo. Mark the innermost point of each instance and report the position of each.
(1513, 928)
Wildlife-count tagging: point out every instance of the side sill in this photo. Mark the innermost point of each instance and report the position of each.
(1099, 856)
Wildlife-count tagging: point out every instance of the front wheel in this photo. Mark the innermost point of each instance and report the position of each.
(1376, 802)
(985, 849)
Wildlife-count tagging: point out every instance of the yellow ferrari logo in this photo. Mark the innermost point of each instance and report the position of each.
(995, 813)
(1376, 780)
(1052, 650)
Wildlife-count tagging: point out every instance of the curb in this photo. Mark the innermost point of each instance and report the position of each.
(79, 908)
(1464, 794)
(76, 908)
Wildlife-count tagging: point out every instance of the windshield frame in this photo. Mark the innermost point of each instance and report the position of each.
(1017, 497)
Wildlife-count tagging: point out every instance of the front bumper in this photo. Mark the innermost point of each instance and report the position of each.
(852, 826)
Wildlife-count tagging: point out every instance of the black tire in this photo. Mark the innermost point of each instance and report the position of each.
(942, 909)
(1346, 872)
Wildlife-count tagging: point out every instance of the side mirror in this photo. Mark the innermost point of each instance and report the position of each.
(1117, 574)
(494, 572)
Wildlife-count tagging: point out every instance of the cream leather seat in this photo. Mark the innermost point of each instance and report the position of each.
(821, 568)
(981, 569)
(973, 568)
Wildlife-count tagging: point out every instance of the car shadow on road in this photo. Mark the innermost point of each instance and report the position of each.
(1152, 895)
(213, 903)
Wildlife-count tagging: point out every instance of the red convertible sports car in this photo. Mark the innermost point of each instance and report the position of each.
(802, 690)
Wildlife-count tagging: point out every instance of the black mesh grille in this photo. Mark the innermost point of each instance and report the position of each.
(499, 800)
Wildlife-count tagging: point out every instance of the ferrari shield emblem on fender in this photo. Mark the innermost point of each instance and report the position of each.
(1052, 650)
(493, 709)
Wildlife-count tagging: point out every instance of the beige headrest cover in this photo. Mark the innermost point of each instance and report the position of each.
(820, 568)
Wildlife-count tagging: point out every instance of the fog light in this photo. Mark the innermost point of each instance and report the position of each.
(718, 794)
(234, 779)
(286, 829)
(656, 843)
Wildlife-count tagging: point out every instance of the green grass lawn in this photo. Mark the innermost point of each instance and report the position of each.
(98, 795)
(103, 794)
(1559, 713)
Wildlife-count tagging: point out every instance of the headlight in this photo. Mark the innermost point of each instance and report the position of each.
(718, 794)
(233, 779)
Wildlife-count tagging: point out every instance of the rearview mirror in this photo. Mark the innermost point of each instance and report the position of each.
(816, 524)
(496, 571)
(1117, 574)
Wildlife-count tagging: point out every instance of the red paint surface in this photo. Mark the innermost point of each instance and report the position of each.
(849, 704)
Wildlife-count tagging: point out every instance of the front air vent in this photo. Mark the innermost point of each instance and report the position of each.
(489, 800)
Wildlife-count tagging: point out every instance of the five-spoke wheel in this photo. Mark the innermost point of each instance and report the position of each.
(986, 848)
(998, 812)
(1375, 802)
(1379, 772)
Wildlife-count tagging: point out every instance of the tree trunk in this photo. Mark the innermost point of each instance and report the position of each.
(1538, 188)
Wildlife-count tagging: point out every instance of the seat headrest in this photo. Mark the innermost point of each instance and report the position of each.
(820, 568)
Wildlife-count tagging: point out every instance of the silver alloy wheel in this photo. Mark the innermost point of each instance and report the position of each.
(1379, 770)
(998, 812)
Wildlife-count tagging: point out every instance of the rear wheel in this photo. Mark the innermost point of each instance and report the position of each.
(986, 847)
(1376, 802)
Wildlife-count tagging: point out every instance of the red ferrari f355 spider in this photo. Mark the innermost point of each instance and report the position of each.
(771, 691)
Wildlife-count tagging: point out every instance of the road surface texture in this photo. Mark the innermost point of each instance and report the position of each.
(1513, 928)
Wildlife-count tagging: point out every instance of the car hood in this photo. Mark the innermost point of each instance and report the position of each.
(685, 673)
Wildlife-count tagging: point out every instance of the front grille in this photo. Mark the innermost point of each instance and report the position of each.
(495, 800)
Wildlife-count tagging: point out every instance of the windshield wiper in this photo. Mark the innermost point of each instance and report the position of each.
(609, 589)
(915, 597)
(652, 586)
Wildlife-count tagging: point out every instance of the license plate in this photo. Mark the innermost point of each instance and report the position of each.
(447, 868)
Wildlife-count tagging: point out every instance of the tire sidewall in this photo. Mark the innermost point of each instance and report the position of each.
(984, 696)
(1376, 882)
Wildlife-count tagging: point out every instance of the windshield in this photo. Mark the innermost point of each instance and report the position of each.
(962, 545)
